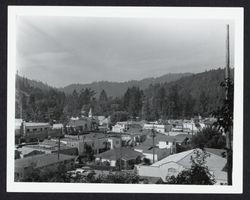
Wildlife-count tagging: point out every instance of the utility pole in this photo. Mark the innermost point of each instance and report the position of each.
(58, 151)
(120, 151)
(228, 86)
(153, 136)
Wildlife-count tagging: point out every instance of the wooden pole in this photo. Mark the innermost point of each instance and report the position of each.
(227, 97)
(153, 135)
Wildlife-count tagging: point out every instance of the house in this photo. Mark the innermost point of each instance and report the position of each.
(120, 127)
(183, 139)
(152, 154)
(57, 126)
(161, 141)
(190, 126)
(34, 131)
(75, 125)
(98, 142)
(161, 128)
(47, 147)
(127, 157)
(43, 162)
(74, 142)
(114, 142)
(174, 164)
(163, 146)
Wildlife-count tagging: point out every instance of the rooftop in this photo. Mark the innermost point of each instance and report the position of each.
(213, 161)
(123, 152)
(149, 149)
(159, 138)
(36, 124)
(41, 160)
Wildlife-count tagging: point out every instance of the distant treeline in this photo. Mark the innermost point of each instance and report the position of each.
(189, 96)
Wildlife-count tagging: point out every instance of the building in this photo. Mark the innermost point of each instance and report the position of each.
(47, 147)
(174, 164)
(18, 124)
(151, 154)
(120, 127)
(161, 128)
(163, 147)
(74, 142)
(57, 126)
(127, 157)
(99, 142)
(79, 125)
(43, 162)
(34, 131)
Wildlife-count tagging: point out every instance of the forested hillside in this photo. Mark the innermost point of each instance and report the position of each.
(184, 98)
(117, 89)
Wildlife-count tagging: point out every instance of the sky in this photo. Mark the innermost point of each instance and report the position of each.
(64, 50)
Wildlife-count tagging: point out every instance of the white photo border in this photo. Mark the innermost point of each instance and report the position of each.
(235, 14)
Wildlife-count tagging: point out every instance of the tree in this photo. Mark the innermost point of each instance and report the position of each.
(103, 103)
(133, 101)
(174, 106)
(203, 106)
(224, 115)
(89, 152)
(198, 174)
(119, 116)
(209, 137)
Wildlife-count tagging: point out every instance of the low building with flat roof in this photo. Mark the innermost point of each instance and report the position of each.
(43, 162)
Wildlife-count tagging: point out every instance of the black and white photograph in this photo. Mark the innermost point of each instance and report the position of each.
(125, 99)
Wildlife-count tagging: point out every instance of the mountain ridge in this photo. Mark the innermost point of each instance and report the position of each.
(116, 89)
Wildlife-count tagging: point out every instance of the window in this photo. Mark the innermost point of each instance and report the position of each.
(28, 130)
(166, 142)
(34, 129)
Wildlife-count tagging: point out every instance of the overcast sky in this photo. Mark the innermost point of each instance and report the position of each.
(65, 50)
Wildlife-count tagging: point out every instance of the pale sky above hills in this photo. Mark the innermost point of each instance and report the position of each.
(65, 50)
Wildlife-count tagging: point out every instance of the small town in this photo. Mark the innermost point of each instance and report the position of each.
(88, 147)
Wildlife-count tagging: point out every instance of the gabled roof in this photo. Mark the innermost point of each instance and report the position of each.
(118, 153)
(214, 162)
(173, 158)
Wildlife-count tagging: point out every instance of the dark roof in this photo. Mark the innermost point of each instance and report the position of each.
(181, 137)
(41, 160)
(94, 136)
(123, 152)
(149, 149)
(32, 153)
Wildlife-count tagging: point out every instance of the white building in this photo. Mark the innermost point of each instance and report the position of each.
(174, 164)
(157, 127)
(120, 127)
